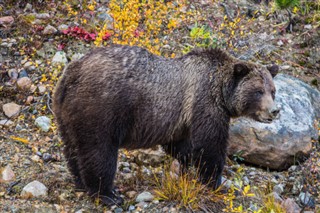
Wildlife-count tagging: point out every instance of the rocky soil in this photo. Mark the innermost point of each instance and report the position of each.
(36, 42)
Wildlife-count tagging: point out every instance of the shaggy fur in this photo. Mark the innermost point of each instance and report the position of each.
(125, 97)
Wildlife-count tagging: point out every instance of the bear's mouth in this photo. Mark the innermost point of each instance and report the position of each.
(263, 119)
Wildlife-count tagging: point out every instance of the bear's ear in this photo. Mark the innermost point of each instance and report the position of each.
(273, 69)
(241, 69)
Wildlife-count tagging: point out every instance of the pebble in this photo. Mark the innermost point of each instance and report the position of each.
(62, 27)
(293, 168)
(7, 174)
(246, 180)
(308, 27)
(131, 194)
(6, 122)
(131, 208)
(118, 210)
(126, 170)
(23, 73)
(44, 123)
(46, 157)
(42, 16)
(142, 205)
(306, 199)
(276, 197)
(60, 57)
(49, 30)
(144, 197)
(290, 206)
(35, 158)
(13, 73)
(27, 64)
(11, 109)
(6, 20)
(29, 99)
(24, 83)
(34, 189)
(279, 188)
(42, 89)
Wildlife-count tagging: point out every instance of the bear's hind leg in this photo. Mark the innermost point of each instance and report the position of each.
(98, 165)
(71, 157)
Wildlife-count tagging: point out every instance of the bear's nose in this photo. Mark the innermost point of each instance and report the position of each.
(275, 111)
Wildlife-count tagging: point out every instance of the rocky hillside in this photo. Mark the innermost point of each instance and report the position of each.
(271, 168)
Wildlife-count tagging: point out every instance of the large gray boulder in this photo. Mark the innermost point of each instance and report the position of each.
(279, 144)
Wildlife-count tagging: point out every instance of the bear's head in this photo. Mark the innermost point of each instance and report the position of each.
(253, 92)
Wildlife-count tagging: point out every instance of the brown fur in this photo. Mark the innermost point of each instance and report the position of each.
(125, 97)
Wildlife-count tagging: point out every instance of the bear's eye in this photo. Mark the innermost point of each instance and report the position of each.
(259, 93)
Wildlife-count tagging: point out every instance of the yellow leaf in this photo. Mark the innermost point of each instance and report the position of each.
(22, 140)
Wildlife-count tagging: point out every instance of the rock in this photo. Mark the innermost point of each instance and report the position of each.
(11, 109)
(27, 65)
(142, 205)
(5, 122)
(290, 206)
(131, 194)
(144, 197)
(60, 57)
(62, 27)
(6, 20)
(308, 27)
(42, 15)
(42, 89)
(276, 197)
(131, 208)
(13, 74)
(49, 30)
(150, 156)
(226, 184)
(28, 8)
(76, 56)
(29, 99)
(46, 157)
(44, 123)
(278, 189)
(24, 83)
(34, 189)
(306, 199)
(279, 144)
(6, 174)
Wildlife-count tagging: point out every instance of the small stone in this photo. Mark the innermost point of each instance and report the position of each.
(131, 208)
(278, 188)
(280, 43)
(7, 174)
(27, 64)
(24, 83)
(29, 99)
(126, 170)
(246, 180)
(6, 20)
(49, 30)
(11, 109)
(118, 210)
(28, 8)
(290, 206)
(13, 73)
(306, 199)
(42, 16)
(131, 194)
(44, 123)
(23, 73)
(5, 122)
(34, 189)
(42, 89)
(35, 158)
(62, 27)
(226, 184)
(308, 27)
(276, 197)
(76, 56)
(47, 157)
(142, 205)
(292, 168)
(144, 197)
(60, 57)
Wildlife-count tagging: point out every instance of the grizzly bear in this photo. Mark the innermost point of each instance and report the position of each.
(126, 97)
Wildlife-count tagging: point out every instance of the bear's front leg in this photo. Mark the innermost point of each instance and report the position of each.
(210, 163)
(209, 142)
